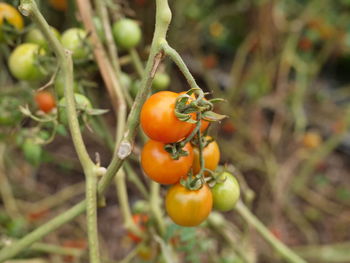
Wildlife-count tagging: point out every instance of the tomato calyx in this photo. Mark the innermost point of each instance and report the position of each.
(193, 101)
(193, 182)
(215, 178)
(175, 150)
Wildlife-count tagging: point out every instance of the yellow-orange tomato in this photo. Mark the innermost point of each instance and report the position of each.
(60, 5)
(158, 118)
(188, 207)
(312, 140)
(45, 101)
(11, 15)
(211, 154)
(160, 167)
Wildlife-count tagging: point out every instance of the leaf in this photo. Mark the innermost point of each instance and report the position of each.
(212, 116)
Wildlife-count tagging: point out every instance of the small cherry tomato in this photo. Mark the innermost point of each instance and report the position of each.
(75, 40)
(59, 5)
(311, 140)
(59, 85)
(134, 88)
(160, 82)
(158, 119)
(35, 36)
(188, 207)
(82, 104)
(127, 33)
(45, 101)
(32, 152)
(146, 252)
(125, 80)
(226, 193)
(211, 154)
(11, 15)
(23, 62)
(141, 221)
(160, 167)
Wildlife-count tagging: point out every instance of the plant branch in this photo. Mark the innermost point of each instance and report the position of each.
(135, 58)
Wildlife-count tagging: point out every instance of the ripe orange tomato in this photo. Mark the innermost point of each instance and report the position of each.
(60, 5)
(11, 15)
(311, 140)
(211, 154)
(141, 221)
(158, 119)
(45, 101)
(188, 207)
(160, 167)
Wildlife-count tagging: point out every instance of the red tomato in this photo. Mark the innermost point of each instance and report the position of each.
(45, 101)
(60, 5)
(160, 167)
(158, 119)
(141, 221)
(188, 207)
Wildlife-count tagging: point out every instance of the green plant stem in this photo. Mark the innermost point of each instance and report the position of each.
(103, 14)
(163, 18)
(172, 53)
(7, 196)
(124, 203)
(28, 7)
(155, 207)
(133, 177)
(283, 250)
(53, 249)
(135, 58)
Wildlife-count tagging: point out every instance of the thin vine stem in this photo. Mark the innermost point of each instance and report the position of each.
(282, 249)
(135, 58)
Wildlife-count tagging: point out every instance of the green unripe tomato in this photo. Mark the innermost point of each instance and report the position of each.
(9, 108)
(35, 36)
(23, 62)
(82, 103)
(32, 152)
(225, 194)
(127, 33)
(99, 28)
(74, 39)
(134, 88)
(59, 85)
(16, 227)
(125, 80)
(160, 82)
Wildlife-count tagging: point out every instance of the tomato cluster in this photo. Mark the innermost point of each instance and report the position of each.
(172, 157)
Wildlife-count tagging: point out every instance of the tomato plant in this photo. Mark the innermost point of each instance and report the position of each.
(23, 62)
(160, 82)
(211, 155)
(35, 36)
(188, 207)
(45, 101)
(161, 167)
(127, 33)
(141, 221)
(225, 192)
(158, 119)
(75, 40)
(59, 85)
(9, 14)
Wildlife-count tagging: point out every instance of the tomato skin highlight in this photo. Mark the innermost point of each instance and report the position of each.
(226, 194)
(188, 207)
(45, 101)
(22, 62)
(160, 167)
(211, 154)
(158, 119)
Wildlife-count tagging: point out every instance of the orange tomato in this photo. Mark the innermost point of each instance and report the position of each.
(11, 15)
(45, 101)
(311, 140)
(141, 221)
(160, 167)
(158, 119)
(211, 154)
(188, 207)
